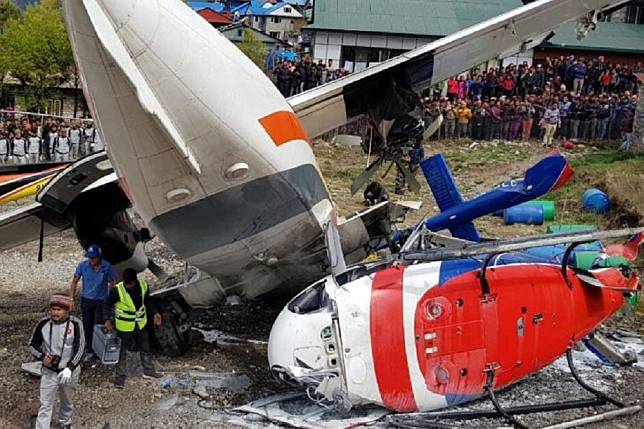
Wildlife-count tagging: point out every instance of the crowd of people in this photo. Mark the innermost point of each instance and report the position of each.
(26, 139)
(569, 98)
(293, 77)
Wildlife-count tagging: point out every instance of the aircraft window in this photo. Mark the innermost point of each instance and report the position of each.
(310, 300)
(360, 271)
(351, 275)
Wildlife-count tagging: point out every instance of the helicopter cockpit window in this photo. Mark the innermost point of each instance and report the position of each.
(310, 300)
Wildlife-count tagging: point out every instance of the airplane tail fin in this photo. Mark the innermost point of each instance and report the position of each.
(457, 215)
(443, 186)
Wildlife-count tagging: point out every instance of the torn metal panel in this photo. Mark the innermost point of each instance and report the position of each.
(296, 410)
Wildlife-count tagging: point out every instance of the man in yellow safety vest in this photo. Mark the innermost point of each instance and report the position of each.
(130, 302)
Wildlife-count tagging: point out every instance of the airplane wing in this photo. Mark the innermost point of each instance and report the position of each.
(23, 225)
(49, 214)
(386, 89)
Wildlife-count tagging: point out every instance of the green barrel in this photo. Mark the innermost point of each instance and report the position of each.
(548, 208)
(570, 228)
(584, 260)
(635, 299)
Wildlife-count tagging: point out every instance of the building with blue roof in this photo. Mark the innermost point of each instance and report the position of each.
(200, 5)
(277, 19)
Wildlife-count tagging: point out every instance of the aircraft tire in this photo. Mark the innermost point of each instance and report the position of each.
(172, 337)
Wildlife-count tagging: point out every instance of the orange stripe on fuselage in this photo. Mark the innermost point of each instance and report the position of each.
(283, 127)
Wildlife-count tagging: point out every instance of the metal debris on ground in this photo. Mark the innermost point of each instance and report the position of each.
(218, 337)
(168, 403)
(214, 380)
(295, 409)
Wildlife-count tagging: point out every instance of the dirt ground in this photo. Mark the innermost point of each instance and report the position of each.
(25, 286)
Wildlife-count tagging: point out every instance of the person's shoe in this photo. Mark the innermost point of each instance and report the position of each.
(69, 426)
(89, 357)
(119, 382)
(152, 374)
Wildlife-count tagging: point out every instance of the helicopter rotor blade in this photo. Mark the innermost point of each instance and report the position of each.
(360, 181)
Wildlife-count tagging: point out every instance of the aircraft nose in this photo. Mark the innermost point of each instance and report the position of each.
(135, 21)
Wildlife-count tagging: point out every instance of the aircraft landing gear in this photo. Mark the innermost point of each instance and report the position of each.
(172, 337)
(434, 419)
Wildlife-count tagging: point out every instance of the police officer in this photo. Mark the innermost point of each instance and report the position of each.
(130, 302)
(58, 341)
(5, 147)
(62, 146)
(75, 134)
(19, 148)
(33, 147)
(98, 276)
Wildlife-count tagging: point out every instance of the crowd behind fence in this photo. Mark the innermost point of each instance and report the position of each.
(594, 98)
(29, 138)
(567, 98)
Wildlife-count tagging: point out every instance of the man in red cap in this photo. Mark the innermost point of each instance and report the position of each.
(59, 342)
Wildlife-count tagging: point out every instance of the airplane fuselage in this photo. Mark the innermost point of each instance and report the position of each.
(208, 150)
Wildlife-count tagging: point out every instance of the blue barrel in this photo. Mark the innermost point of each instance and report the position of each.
(529, 215)
(596, 201)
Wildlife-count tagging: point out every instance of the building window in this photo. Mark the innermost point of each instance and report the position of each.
(257, 19)
(276, 20)
(274, 34)
(287, 9)
(240, 33)
(54, 107)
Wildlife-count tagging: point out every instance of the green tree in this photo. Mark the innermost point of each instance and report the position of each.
(35, 50)
(8, 11)
(253, 48)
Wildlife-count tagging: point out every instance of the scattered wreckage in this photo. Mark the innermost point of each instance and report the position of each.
(438, 326)
(250, 167)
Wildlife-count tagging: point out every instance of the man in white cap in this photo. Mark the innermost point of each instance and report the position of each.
(58, 341)
(98, 276)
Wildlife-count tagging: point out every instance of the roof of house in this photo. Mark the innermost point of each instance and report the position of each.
(608, 36)
(260, 8)
(264, 37)
(417, 17)
(200, 5)
(300, 3)
(214, 17)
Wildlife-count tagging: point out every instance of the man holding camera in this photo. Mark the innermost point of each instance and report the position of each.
(59, 342)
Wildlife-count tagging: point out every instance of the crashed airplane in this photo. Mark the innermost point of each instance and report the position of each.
(221, 170)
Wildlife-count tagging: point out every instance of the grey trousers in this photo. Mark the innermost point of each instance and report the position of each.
(49, 386)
